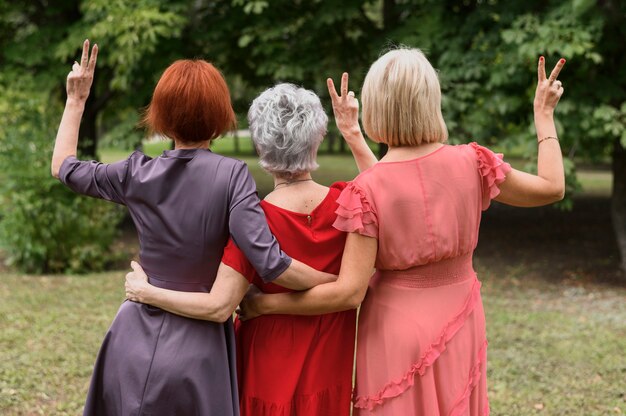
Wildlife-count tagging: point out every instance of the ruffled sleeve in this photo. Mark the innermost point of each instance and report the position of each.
(493, 171)
(355, 213)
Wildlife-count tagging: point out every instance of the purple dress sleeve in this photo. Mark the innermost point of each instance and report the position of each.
(95, 179)
(249, 229)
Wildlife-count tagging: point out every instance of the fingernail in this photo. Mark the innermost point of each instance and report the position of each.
(541, 58)
(562, 61)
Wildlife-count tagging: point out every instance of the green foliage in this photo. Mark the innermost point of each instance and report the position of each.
(44, 227)
(487, 54)
(129, 32)
(485, 51)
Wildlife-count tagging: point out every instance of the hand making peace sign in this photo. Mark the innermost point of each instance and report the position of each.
(79, 80)
(345, 107)
(549, 90)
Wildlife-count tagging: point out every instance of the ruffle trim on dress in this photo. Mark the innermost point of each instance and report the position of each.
(354, 213)
(475, 375)
(397, 387)
(300, 404)
(493, 171)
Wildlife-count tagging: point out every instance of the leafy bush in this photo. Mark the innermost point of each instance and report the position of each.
(45, 227)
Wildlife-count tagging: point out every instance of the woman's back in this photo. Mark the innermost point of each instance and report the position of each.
(317, 377)
(185, 204)
(436, 200)
(421, 337)
(182, 204)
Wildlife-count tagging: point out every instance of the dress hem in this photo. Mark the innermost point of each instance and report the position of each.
(255, 406)
(397, 387)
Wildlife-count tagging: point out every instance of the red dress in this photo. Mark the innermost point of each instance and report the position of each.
(297, 365)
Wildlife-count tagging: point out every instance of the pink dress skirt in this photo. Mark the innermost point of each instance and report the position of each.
(423, 331)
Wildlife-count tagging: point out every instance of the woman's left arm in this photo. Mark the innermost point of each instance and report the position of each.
(357, 266)
(548, 185)
(217, 305)
(79, 82)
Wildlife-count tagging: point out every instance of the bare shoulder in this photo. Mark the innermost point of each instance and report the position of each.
(299, 198)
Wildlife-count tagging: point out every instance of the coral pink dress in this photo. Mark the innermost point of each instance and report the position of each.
(421, 347)
(290, 365)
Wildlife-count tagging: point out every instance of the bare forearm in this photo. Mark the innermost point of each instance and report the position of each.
(363, 155)
(326, 298)
(549, 158)
(299, 276)
(67, 136)
(346, 293)
(195, 305)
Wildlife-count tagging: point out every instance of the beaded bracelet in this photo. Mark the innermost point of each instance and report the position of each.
(546, 138)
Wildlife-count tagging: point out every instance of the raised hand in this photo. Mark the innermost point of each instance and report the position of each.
(345, 108)
(79, 80)
(549, 90)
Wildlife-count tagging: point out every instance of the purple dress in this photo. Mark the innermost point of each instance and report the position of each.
(185, 205)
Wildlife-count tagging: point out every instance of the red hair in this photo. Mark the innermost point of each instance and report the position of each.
(191, 103)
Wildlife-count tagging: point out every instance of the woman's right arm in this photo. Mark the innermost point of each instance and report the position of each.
(346, 111)
(78, 86)
(99, 180)
(357, 266)
(523, 189)
(217, 305)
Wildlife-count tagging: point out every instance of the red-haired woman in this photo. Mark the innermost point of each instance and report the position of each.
(185, 204)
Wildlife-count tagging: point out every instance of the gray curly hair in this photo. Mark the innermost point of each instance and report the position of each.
(287, 124)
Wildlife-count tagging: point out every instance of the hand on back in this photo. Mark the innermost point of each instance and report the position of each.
(136, 283)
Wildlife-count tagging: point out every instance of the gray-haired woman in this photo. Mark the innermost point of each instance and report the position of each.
(287, 365)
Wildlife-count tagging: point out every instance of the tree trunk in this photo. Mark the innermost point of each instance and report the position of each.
(618, 203)
(331, 139)
(88, 134)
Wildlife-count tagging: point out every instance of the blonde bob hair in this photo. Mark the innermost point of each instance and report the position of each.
(402, 100)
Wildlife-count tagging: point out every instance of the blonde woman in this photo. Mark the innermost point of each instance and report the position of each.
(414, 216)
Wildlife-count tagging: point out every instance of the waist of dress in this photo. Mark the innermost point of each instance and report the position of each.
(181, 286)
(440, 273)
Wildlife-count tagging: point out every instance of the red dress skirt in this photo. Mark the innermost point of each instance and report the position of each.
(296, 365)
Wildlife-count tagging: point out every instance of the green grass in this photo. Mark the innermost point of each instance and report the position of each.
(556, 347)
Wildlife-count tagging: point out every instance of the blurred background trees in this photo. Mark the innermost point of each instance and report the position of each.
(486, 52)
